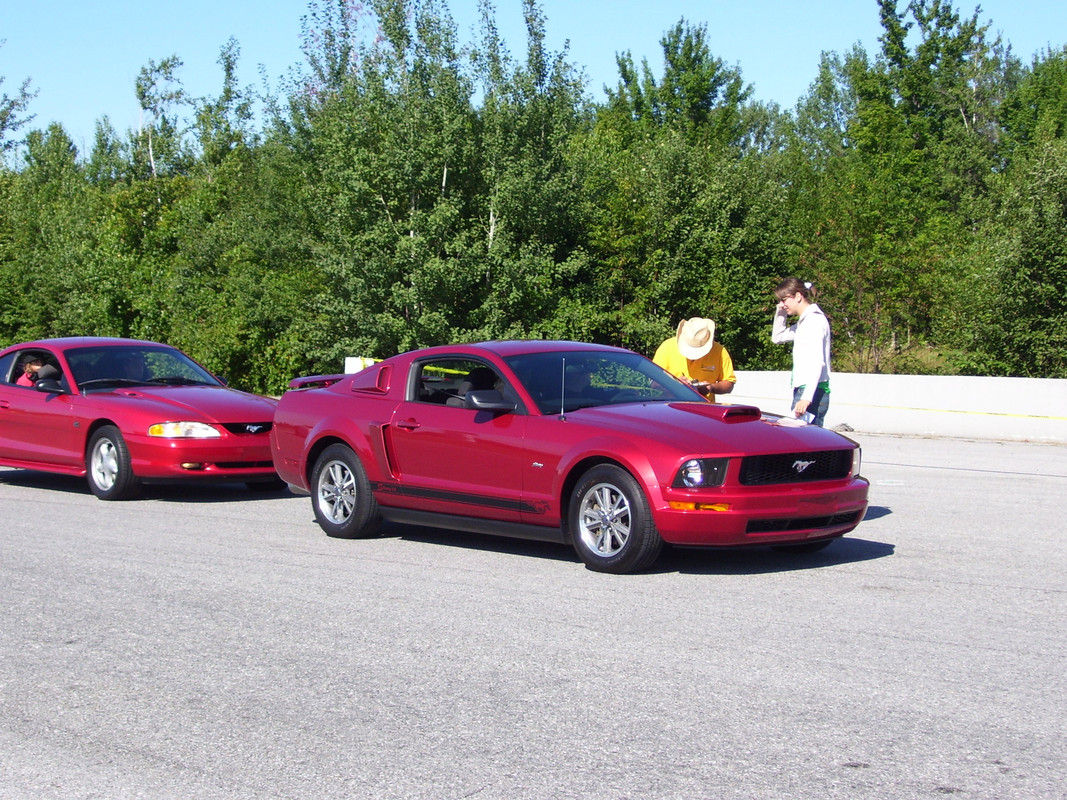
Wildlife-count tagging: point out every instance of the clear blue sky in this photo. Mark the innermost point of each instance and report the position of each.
(83, 57)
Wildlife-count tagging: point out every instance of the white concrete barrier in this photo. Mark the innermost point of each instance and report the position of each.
(1023, 409)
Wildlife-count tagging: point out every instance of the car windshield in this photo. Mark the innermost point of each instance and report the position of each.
(568, 381)
(111, 366)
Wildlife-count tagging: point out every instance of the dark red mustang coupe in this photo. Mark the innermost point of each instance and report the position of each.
(576, 443)
(122, 411)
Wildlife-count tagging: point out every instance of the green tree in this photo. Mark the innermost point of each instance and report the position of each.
(12, 110)
(697, 93)
(160, 95)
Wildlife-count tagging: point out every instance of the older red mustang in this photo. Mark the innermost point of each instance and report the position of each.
(122, 411)
(576, 443)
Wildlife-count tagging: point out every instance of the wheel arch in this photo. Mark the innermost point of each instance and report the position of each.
(93, 427)
(574, 474)
(315, 450)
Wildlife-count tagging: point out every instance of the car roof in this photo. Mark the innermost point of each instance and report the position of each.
(514, 347)
(66, 342)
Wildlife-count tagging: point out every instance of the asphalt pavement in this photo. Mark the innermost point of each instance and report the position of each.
(211, 642)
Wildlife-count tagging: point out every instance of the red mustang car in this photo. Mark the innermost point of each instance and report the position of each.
(122, 411)
(576, 443)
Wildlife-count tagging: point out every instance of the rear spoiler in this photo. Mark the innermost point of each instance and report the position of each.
(315, 381)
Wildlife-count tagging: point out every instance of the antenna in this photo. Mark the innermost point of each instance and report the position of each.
(563, 389)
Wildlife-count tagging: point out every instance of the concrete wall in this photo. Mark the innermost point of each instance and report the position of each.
(1024, 409)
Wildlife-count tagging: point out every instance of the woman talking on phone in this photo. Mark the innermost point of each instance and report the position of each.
(810, 336)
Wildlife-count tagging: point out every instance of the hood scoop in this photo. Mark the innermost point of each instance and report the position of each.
(721, 411)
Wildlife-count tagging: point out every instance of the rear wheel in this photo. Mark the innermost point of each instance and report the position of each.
(107, 466)
(611, 523)
(341, 495)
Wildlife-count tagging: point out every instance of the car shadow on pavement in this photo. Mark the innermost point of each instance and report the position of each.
(876, 512)
(479, 541)
(183, 492)
(215, 492)
(689, 560)
(766, 560)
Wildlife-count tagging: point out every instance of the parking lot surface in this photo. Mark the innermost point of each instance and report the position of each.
(209, 642)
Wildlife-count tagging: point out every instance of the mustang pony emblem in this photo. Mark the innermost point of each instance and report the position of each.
(800, 466)
(253, 428)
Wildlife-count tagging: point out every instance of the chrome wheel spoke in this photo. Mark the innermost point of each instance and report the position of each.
(337, 492)
(604, 519)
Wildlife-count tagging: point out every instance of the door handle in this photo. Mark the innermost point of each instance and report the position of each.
(408, 424)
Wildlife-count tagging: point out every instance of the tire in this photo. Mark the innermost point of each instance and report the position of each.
(803, 547)
(341, 495)
(611, 524)
(107, 466)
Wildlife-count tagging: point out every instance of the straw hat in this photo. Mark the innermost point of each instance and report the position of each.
(695, 337)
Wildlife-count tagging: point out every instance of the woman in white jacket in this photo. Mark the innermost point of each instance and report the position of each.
(810, 336)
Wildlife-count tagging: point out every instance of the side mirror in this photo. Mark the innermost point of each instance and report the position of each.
(487, 400)
(49, 385)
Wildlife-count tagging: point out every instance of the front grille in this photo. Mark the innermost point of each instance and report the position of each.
(247, 428)
(825, 465)
(788, 524)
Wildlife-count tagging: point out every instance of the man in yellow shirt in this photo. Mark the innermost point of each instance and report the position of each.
(694, 356)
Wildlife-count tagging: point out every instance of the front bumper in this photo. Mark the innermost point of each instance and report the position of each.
(231, 457)
(764, 515)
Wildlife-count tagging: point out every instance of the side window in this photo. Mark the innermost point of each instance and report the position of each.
(13, 366)
(445, 381)
(7, 369)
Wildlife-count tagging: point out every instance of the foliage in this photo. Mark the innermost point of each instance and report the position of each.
(406, 189)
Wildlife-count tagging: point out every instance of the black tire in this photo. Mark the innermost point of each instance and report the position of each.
(804, 547)
(610, 522)
(341, 495)
(107, 466)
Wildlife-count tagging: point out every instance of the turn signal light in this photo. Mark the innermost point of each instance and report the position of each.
(679, 506)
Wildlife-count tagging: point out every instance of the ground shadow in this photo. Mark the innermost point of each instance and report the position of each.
(876, 512)
(183, 492)
(480, 541)
(689, 560)
(766, 560)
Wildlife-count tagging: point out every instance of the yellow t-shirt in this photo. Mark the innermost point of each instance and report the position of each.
(715, 366)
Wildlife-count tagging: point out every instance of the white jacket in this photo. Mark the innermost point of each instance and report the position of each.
(810, 336)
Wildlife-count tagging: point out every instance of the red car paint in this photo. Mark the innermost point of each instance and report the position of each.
(50, 428)
(514, 470)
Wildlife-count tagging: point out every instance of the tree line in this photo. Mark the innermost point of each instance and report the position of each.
(402, 188)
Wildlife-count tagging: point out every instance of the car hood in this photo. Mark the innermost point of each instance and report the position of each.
(192, 403)
(699, 427)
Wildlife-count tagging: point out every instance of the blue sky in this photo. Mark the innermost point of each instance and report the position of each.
(83, 58)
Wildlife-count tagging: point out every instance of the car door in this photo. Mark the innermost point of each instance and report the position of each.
(454, 460)
(38, 427)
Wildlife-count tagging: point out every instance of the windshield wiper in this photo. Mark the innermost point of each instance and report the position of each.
(101, 382)
(176, 380)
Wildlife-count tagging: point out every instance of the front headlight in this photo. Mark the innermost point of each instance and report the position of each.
(857, 458)
(184, 430)
(701, 473)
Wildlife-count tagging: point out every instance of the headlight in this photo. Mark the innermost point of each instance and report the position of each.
(184, 430)
(857, 457)
(701, 473)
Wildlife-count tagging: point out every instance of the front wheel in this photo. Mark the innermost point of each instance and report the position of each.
(611, 523)
(107, 466)
(341, 495)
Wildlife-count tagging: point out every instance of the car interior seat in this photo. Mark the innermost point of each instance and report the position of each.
(477, 379)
